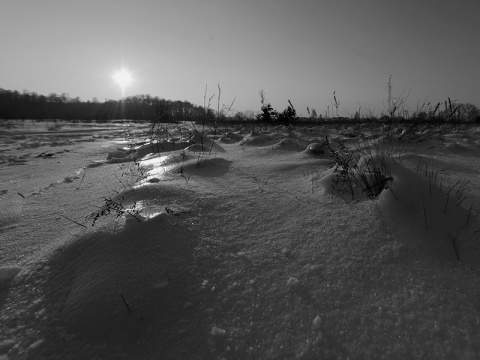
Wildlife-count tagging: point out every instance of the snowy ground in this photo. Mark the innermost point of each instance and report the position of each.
(242, 251)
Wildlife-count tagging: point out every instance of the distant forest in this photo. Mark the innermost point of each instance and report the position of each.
(30, 105)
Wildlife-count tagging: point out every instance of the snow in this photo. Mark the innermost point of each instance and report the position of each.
(7, 273)
(241, 248)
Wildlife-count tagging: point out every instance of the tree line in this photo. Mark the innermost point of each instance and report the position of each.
(30, 105)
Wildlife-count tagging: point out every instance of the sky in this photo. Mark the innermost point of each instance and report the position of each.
(301, 51)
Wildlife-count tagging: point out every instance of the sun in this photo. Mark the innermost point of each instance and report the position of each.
(123, 78)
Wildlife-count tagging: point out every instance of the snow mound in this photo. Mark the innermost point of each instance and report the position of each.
(169, 166)
(257, 140)
(288, 145)
(208, 167)
(314, 149)
(109, 277)
(429, 218)
(203, 148)
(230, 137)
(203, 143)
(350, 133)
(110, 282)
(184, 163)
(426, 212)
(154, 161)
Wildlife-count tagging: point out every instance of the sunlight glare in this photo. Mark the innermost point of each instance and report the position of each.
(123, 78)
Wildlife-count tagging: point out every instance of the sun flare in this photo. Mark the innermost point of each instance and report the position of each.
(123, 78)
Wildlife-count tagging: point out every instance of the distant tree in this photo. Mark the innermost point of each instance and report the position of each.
(469, 112)
(249, 114)
(239, 116)
(267, 112)
(289, 115)
(453, 111)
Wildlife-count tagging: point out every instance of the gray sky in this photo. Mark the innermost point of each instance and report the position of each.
(301, 50)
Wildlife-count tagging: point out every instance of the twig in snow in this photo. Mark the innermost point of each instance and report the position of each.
(468, 215)
(393, 193)
(73, 221)
(81, 181)
(126, 304)
(446, 202)
(260, 186)
(121, 182)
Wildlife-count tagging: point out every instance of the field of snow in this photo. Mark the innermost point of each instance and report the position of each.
(237, 245)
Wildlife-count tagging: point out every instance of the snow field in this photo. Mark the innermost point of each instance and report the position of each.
(247, 255)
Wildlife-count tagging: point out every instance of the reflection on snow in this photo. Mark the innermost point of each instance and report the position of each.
(158, 166)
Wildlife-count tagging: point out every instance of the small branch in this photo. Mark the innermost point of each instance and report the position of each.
(81, 181)
(258, 183)
(121, 182)
(446, 203)
(126, 304)
(393, 193)
(131, 214)
(73, 221)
